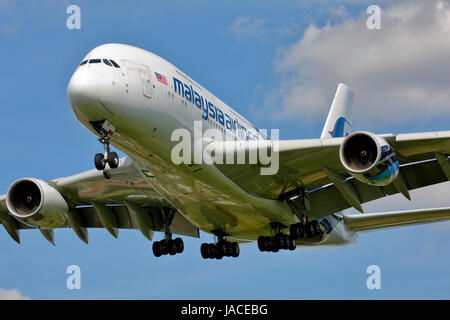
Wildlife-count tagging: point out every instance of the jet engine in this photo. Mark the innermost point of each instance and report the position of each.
(369, 158)
(36, 203)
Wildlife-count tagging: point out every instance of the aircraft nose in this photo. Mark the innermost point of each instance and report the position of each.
(82, 93)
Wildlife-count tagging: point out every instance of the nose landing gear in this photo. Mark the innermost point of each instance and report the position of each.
(108, 157)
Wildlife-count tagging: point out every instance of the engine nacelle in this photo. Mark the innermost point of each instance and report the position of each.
(369, 158)
(36, 203)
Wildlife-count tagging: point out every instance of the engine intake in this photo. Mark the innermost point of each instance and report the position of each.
(369, 158)
(36, 203)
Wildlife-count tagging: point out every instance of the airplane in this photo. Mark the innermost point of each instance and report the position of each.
(135, 100)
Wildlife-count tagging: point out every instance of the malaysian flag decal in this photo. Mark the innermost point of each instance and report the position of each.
(161, 78)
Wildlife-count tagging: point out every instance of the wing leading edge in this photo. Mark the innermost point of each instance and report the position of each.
(112, 199)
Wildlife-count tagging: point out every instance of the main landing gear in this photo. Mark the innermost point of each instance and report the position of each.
(278, 242)
(282, 241)
(108, 157)
(223, 248)
(168, 245)
(309, 229)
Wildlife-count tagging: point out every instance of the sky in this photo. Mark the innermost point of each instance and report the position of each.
(276, 63)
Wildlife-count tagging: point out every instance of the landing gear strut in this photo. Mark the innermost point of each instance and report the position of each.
(108, 156)
(223, 248)
(168, 245)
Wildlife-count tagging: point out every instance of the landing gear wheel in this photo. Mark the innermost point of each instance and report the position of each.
(261, 244)
(316, 225)
(229, 249)
(113, 160)
(297, 230)
(310, 230)
(172, 247)
(268, 241)
(99, 161)
(157, 249)
(292, 243)
(278, 241)
(204, 250)
(179, 244)
(211, 250)
(219, 253)
(164, 247)
(235, 250)
(286, 241)
(222, 248)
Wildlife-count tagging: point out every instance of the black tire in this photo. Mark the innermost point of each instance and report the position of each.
(286, 242)
(164, 247)
(229, 249)
(278, 241)
(292, 244)
(157, 249)
(310, 230)
(222, 248)
(113, 160)
(235, 249)
(300, 230)
(204, 250)
(99, 161)
(179, 244)
(317, 229)
(211, 250)
(261, 244)
(172, 247)
(219, 252)
(268, 242)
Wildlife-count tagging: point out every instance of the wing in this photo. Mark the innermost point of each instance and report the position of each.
(376, 221)
(314, 166)
(111, 199)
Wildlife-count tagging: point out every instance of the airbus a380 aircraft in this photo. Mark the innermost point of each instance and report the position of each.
(135, 100)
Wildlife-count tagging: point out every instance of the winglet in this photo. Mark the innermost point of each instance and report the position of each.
(339, 119)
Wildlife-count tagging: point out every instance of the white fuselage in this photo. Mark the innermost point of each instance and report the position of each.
(145, 112)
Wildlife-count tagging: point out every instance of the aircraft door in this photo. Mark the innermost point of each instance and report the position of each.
(146, 83)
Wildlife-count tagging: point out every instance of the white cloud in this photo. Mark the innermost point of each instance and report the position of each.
(262, 29)
(248, 26)
(12, 294)
(398, 73)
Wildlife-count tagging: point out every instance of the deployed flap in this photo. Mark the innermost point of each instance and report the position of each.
(375, 221)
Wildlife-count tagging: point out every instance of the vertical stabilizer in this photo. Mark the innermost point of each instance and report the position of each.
(339, 119)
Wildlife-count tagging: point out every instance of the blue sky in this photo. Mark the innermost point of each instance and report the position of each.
(258, 57)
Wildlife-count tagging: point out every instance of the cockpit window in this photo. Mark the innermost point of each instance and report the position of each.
(106, 61)
(95, 61)
(83, 62)
(114, 63)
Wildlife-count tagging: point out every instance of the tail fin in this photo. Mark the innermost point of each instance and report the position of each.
(339, 119)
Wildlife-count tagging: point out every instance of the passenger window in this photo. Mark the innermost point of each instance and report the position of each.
(114, 63)
(106, 61)
(95, 61)
(83, 62)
